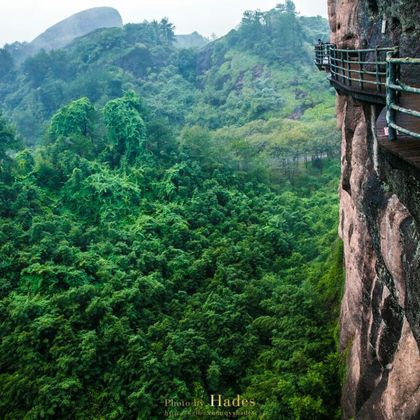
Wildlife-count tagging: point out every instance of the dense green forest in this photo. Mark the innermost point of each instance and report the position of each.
(169, 224)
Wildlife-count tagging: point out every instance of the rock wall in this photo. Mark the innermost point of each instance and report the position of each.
(380, 227)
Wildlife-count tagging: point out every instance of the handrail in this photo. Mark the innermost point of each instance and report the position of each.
(353, 71)
(348, 66)
(402, 87)
(393, 85)
(367, 49)
(406, 60)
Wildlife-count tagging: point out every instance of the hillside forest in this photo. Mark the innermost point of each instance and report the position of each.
(169, 224)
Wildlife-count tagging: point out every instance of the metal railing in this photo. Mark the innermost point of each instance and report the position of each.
(364, 70)
(394, 88)
(322, 54)
(374, 72)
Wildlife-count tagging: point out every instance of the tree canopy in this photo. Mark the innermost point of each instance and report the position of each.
(170, 230)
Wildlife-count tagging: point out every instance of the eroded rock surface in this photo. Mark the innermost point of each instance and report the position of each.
(380, 220)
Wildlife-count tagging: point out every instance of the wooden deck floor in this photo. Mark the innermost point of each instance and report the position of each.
(405, 147)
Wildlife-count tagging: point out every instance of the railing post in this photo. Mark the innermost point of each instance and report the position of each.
(329, 55)
(343, 71)
(359, 56)
(390, 96)
(396, 53)
(348, 68)
(378, 79)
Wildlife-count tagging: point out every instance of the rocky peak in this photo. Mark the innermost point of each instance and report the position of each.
(194, 40)
(75, 26)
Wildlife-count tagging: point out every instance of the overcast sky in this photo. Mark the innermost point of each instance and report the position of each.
(23, 20)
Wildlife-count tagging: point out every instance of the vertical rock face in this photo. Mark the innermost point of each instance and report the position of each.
(380, 227)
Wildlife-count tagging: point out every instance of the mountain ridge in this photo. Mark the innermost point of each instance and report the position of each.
(67, 30)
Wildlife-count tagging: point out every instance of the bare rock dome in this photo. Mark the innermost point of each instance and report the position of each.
(82, 23)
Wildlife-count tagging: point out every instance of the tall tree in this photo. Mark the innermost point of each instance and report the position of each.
(126, 128)
(9, 142)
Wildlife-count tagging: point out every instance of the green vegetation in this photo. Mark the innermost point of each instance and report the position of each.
(262, 69)
(172, 233)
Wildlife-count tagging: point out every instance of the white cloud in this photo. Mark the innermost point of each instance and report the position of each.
(23, 20)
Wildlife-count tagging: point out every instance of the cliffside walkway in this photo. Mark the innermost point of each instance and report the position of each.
(378, 76)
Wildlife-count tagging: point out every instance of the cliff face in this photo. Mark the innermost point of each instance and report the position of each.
(380, 227)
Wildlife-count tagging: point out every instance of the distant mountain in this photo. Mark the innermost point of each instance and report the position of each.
(194, 40)
(75, 26)
(249, 74)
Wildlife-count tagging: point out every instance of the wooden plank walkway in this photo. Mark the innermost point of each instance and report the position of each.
(410, 101)
(377, 76)
(405, 147)
(368, 96)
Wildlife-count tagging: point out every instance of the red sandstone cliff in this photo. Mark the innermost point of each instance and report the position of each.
(380, 220)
